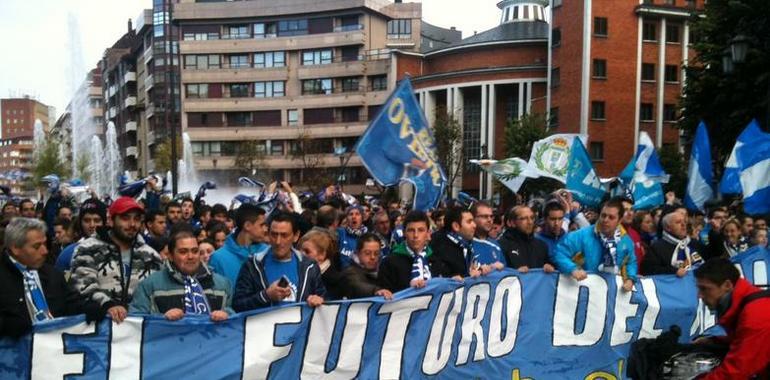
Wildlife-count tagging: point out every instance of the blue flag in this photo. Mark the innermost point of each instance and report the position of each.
(582, 180)
(398, 146)
(731, 181)
(700, 183)
(754, 167)
(644, 174)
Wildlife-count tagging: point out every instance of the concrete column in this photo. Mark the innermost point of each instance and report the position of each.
(661, 84)
(491, 135)
(457, 107)
(483, 140)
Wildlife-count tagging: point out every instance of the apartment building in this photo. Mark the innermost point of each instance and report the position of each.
(293, 76)
(17, 122)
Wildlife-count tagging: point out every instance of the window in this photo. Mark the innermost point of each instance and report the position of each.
(597, 110)
(236, 32)
(672, 34)
(669, 113)
(293, 117)
(600, 68)
(269, 59)
(556, 37)
(239, 90)
(379, 83)
(265, 30)
(201, 62)
(646, 113)
(648, 32)
(317, 57)
(672, 73)
(556, 3)
(317, 86)
(648, 72)
(274, 89)
(597, 151)
(400, 29)
(350, 84)
(555, 77)
(235, 119)
(266, 118)
(600, 26)
(239, 61)
(276, 148)
(292, 27)
(553, 122)
(197, 91)
(350, 53)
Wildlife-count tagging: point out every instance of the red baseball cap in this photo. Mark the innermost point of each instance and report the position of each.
(123, 205)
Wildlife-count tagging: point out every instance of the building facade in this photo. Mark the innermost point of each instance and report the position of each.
(18, 116)
(294, 79)
(605, 68)
(90, 95)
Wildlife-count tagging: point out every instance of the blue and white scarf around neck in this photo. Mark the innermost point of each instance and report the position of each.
(37, 306)
(195, 301)
(609, 252)
(420, 268)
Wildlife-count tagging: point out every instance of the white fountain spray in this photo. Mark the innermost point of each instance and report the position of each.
(113, 162)
(96, 166)
(188, 176)
(81, 121)
(38, 140)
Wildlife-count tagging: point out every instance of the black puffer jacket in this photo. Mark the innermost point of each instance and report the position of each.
(523, 250)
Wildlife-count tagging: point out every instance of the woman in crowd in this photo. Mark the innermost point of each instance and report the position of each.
(319, 245)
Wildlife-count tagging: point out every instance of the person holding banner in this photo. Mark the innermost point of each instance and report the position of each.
(522, 251)
(360, 278)
(487, 249)
(742, 310)
(33, 291)
(452, 246)
(408, 263)
(674, 252)
(603, 247)
(281, 274)
(184, 286)
(552, 231)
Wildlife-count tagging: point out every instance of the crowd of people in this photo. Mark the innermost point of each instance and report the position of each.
(181, 257)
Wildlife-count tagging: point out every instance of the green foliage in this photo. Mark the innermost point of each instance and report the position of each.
(728, 102)
(521, 134)
(48, 162)
(448, 134)
(675, 165)
(82, 164)
(250, 160)
(163, 155)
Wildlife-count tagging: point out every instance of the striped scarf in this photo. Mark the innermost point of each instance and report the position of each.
(195, 301)
(609, 253)
(467, 247)
(37, 306)
(420, 268)
(682, 257)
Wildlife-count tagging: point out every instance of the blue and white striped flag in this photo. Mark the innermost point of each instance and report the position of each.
(644, 174)
(700, 182)
(731, 181)
(754, 166)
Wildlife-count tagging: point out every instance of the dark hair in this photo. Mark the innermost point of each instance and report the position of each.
(216, 227)
(64, 206)
(173, 204)
(285, 217)
(186, 199)
(718, 271)
(150, 215)
(218, 209)
(247, 213)
(366, 238)
(715, 209)
(204, 209)
(326, 216)
(416, 216)
(174, 237)
(552, 206)
(617, 203)
(511, 214)
(477, 205)
(26, 200)
(454, 214)
(65, 223)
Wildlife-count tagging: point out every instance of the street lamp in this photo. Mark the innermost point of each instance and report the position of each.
(739, 46)
(727, 62)
(342, 153)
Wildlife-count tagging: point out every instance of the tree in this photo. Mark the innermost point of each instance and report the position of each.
(522, 133)
(448, 134)
(310, 153)
(48, 162)
(728, 102)
(163, 155)
(250, 159)
(675, 165)
(83, 165)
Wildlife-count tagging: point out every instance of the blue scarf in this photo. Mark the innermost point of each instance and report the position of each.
(37, 306)
(357, 232)
(609, 253)
(466, 246)
(195, 301)
(420, 268)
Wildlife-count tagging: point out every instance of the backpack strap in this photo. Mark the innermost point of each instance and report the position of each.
(753, 297)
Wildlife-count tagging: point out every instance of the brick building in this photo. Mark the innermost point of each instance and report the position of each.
(606, 68)
(17, 121)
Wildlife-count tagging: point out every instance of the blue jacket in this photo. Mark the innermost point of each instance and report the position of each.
(487, 251)
(229, 259)
(347, 243)
(551, 241)
(586, 241)
(251, 287)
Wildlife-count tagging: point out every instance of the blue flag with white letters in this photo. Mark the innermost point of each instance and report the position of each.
(398, 146)
(582, 180)
(700, 176)
(731, 178)
(754, 167)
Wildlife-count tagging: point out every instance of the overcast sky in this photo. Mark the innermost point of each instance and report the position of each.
(38, 44)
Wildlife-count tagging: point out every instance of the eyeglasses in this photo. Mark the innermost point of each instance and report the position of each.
(487, 216)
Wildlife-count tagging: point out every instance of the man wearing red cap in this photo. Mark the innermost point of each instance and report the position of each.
(107, 266)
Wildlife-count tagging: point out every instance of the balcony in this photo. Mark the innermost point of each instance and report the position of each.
(273, 162)
(149, 82)
(315, 41)
(131, 151)
(235, 75)
(129, 77)
(111, 113)
(352, 129)
(129, 102)
(150, 138)
(341, 99)
(147, 55)
(131, 126)
(150, 111)
(111, 91)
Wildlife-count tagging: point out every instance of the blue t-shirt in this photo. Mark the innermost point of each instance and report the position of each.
(486, 251)
(64, 261)
(274, 269)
